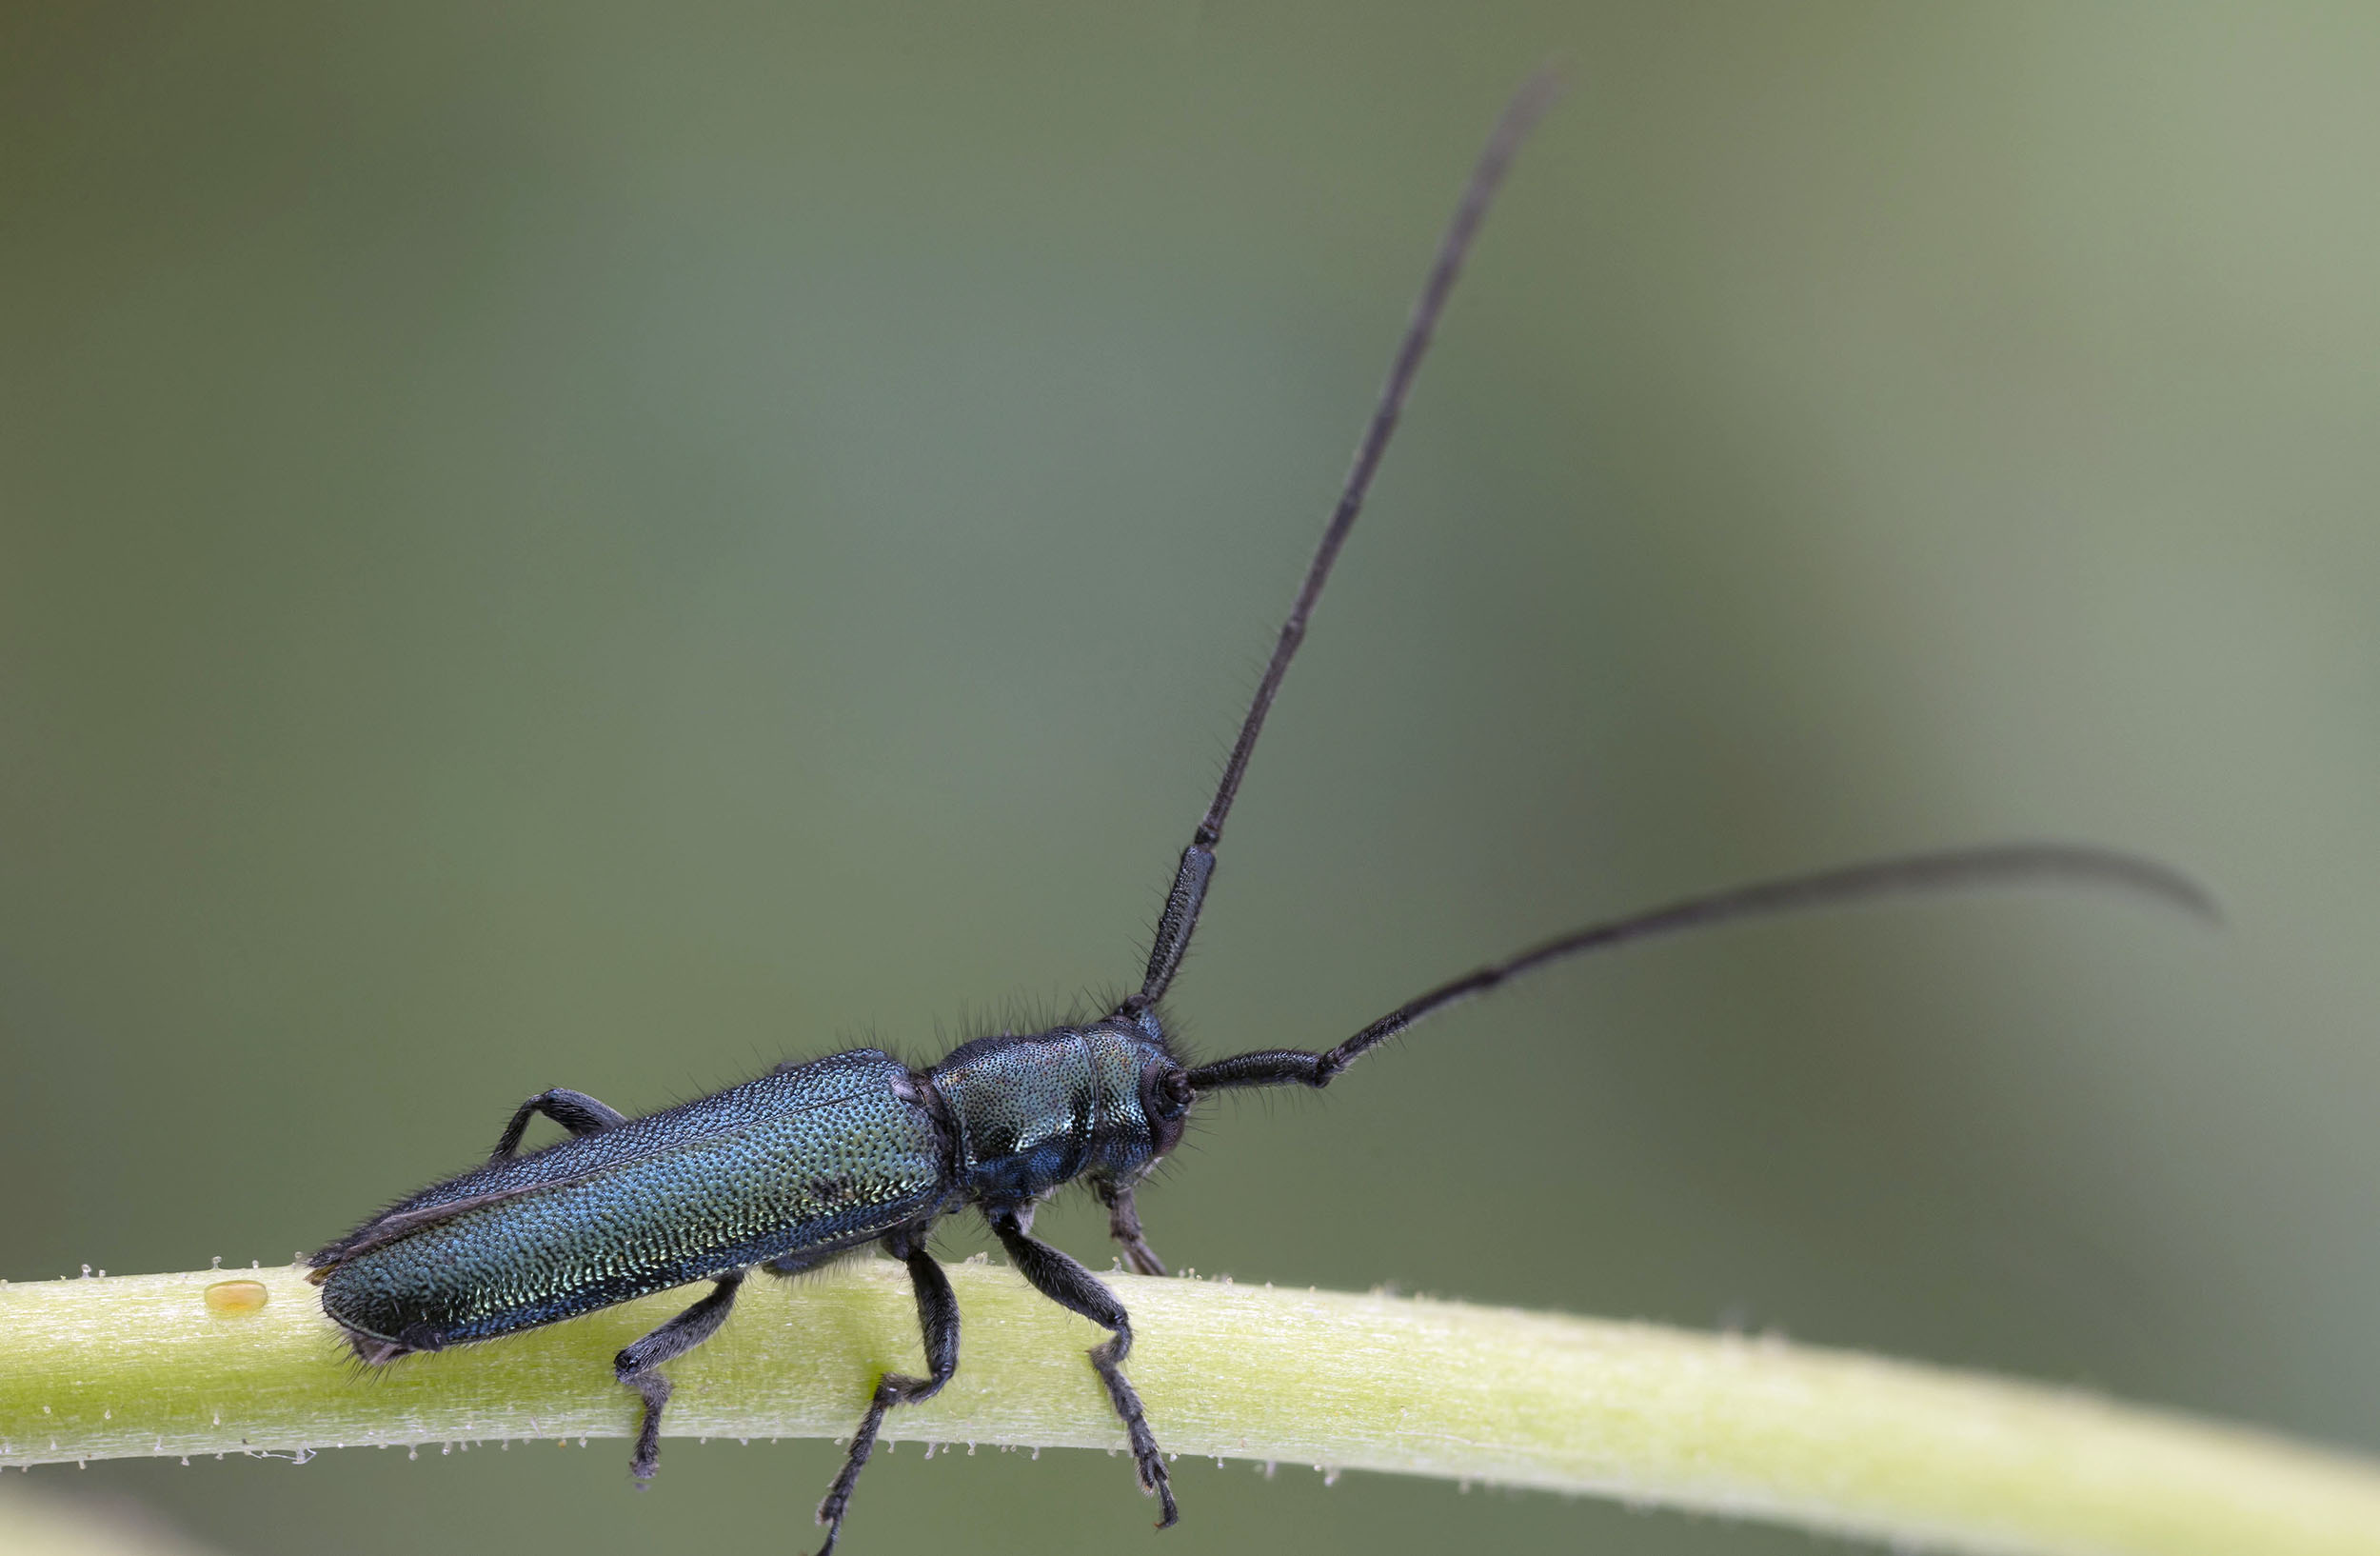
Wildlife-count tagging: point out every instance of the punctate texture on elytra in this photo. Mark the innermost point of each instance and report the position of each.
(825, 1155)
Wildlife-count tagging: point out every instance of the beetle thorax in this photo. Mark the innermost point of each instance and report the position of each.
(1032, 1113)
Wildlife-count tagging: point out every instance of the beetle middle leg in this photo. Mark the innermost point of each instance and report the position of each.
(1076, 1290)
(938, 1316)
(635, 1366)
(574, 1111)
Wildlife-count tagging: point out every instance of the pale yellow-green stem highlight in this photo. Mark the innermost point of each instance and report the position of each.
(1929, 1458)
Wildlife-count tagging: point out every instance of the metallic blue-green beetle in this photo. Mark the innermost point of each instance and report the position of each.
(825, 1157)
(781, 1173)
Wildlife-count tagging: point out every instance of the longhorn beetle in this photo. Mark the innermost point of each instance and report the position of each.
(819, 1157)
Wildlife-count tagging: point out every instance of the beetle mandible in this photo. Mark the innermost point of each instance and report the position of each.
(822, 1158)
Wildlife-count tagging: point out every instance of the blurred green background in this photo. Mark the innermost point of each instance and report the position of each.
(608, 546)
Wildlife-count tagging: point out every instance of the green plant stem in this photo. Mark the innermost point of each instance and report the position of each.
(142, 1366)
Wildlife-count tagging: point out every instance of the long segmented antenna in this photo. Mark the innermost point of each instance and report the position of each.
(1952, 870)
(1181, 917)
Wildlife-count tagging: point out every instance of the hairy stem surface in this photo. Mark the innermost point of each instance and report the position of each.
(150, 1364)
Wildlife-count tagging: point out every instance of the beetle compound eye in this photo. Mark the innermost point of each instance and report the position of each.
(1165, 1092)
(1166, 1096)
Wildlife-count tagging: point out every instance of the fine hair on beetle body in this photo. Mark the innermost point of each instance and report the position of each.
(824, 1157)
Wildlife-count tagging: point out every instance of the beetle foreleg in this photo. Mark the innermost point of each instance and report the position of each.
(1124, 1225)
(1074, 1288)
(634, 1365)
(574, 1111)
(938, 1316)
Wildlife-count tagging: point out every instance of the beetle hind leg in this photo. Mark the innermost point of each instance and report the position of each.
(938, 1316)
(574, 1111)
(635, 1367)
